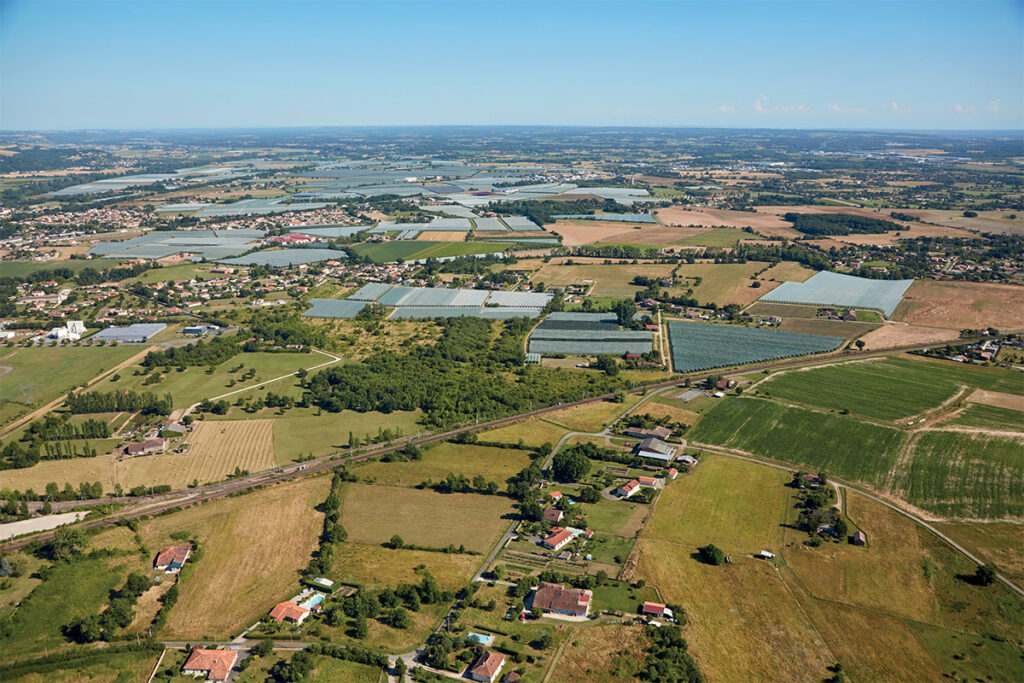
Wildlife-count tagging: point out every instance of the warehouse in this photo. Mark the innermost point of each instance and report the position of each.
(138, 333)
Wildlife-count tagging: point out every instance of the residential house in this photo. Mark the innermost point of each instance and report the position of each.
(511, 677)
(628, 489)
(290, 612)
(486, 667)
(673, 472)
(556, 598)
(656, 449)
(656, 609)
(649, 482)
(215, 665)
(553, 515)
(171, 559)
(557, 538)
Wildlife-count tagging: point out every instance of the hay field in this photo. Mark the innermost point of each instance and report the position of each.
(442, 236)
(592, 417)
(376, 566)
(994, 542)
(891, 336)
(788, 271)
(373, 514)
(763, 222)
(532, 432)
(301, 431)
(722, 283)
(494, 464)
(253, 548)
(594, 655)
(961, 305)
(986, 221)
(612, 280)
(216, 448)
(701, 507)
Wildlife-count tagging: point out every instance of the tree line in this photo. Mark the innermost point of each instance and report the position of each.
(145, 402)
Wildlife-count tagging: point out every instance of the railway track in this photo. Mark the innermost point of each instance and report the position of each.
(151, 505)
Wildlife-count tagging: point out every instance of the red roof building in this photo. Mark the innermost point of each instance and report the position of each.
(628, 489)
(557, 538)
(486, 667)
(554, 597)
(553, 515)
(289, 611)
(215, 664)
(171, 559)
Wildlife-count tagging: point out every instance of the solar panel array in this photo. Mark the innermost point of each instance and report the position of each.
(835, 289)
(587, 334)
(699, 346)
(335, 308)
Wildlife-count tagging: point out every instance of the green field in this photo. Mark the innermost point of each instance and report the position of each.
(961, 475)
(837, 444)
(990, 417)
(718, 237)
(327, 670)
(194, 384)
(185, 271)
(889, 389)
(112, 667)
(20, 269)
(301, 432)
(494, 464)
(41, 374)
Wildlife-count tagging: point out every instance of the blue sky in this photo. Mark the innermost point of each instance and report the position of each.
(822, 64)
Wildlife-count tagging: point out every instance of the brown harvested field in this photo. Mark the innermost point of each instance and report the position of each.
(910, 230)
(655, 409)
(763, 222)
(442, 236)
(217, 448)
(253, 548)
(997, 399)
(889, 336)
(962, 305)
(833, 328)
(613, 280)
(594, 654)
(745, 623)
(373, 514)
(986, 221)
(576, 233)
(655, 235)
(997, 543)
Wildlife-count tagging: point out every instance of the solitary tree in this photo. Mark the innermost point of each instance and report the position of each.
(711, 554)
(985, 575)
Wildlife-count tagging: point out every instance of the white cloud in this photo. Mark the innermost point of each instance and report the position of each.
(727, 109)
(759, 107)
(836, 108)
(959, 108)
(992, 106)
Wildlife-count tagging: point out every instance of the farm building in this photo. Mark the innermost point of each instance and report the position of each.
(557, 538)
(486, 667)
(656, 609)
(686, 460)
(656, 449)
(138, 333)
(628, 489)
(290, 612)
(554, 597)
(146, 447)
(215, 665)
(553, 515)
(322, 584)
(658, 432)
(200, 330)
(860, 538)
(172, 558)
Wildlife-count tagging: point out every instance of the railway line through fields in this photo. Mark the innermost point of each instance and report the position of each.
(159, 503)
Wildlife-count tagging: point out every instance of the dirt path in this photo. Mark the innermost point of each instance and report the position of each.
(52, 405)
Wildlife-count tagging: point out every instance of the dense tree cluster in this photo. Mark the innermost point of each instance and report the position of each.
(540, 211)
(668, 659)
(53, 428)
(825, 224)
(203, 353)
(145, 402)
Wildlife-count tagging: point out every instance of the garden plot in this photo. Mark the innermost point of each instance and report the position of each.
(697, 346)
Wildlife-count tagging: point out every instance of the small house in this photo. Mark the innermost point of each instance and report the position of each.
(214, 665)
(850, 316)
(553, 515)
(172, 559)
(557, 538)
(649, 482)
(628, 489)
(289, 612)
(556, 496)
(673, 472)
(859, 538)
(486, 667)
(656, 609)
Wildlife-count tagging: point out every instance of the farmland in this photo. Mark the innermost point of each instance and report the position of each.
(386, 252)
(497, 464)
(961, 305)
(302, 431)
(602, 654)
(697, 346)
(373, 514)
(885, 389)
(990, 417)
(531, 432)
(41, 374)
(593, 417)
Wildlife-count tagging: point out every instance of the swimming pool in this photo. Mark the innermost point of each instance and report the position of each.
(481, 638)
(313, 601)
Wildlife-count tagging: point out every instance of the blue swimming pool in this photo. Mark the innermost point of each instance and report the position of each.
(482, 638)
(313, 601)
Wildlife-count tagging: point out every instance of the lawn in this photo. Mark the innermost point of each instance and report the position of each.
(618, 517)
(71, 590)
(609, 549)
(41, 374)
(195, 383)
(253, 548)
(592, 417)
(373, 514)
(621, 596)
(886, 389)
(838, 444)
(703, 507)
(494, 464)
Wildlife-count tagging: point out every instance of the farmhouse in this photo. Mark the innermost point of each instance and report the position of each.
(290, 612)
(655, 448)
(554, 597)
(628, 489)
(146, 447)
(171, 559)
(860, 538)
(486, 667)
(553, 515)
(658, 432)
(215, 665)
(656, 609)
(557, 538)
